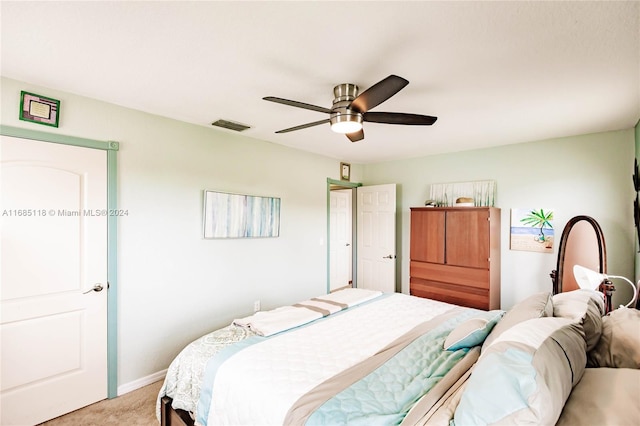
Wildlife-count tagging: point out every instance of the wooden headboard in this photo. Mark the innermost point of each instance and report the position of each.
(582, 243)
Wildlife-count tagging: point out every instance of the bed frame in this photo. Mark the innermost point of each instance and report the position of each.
(172, 417)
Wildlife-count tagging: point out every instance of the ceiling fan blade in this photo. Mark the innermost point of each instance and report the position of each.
(399, 118)
(304, 126)
(378, 93)
(356, 136)
(297, 104)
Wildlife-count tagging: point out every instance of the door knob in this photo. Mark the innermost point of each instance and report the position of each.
(391, 256)
(96, 288)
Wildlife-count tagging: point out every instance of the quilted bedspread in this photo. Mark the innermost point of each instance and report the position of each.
(367, 364)
(183, 380)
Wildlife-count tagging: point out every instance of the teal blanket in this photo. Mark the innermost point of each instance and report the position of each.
(385, 396)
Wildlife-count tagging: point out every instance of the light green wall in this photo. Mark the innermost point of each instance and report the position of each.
(174, 286)
(576, 175)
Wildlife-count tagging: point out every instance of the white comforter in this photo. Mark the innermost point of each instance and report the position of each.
(268, 323)
(259, 384)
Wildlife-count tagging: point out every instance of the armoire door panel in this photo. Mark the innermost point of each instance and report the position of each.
(467, 238)
(429, 228)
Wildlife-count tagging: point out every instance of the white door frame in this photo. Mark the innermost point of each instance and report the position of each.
(354, 249)
(112, 258)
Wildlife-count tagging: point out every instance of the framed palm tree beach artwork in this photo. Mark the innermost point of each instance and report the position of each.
(532, 230)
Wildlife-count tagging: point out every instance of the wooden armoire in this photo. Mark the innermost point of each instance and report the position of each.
(455, 255)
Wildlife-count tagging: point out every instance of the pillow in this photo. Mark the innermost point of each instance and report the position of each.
(619, 345)
(584, 306)
(526, 375)
(604, 396)
(535, 306)
(473, 331)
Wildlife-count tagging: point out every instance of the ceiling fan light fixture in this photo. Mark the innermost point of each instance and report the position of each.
(350, 125)
(346, 122)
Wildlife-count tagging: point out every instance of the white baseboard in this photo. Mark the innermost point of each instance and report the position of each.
(141, 382)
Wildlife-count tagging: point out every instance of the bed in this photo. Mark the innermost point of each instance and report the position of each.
(362, 357)
(346, 357)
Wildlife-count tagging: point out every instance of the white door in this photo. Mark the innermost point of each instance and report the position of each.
(340, 208)
(376, 234)
(54, 250)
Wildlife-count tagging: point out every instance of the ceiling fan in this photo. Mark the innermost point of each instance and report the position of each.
(350, 109)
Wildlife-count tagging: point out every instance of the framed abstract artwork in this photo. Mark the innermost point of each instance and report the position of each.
(229, 215)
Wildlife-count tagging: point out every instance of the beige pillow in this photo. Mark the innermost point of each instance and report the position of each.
(584, 306)
(604, 396)
(526, 375)
(535, 306)
(619, 344)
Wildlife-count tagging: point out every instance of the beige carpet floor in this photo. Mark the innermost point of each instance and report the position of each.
(137, 408)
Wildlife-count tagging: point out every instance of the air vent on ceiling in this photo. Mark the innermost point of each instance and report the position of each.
(238, 127)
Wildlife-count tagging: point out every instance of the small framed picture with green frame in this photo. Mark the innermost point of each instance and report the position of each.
(39, 109)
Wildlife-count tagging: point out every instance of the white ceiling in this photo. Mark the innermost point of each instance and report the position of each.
(493, 73)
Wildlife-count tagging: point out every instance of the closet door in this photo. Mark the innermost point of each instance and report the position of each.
(467, 238)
